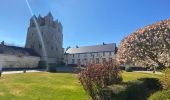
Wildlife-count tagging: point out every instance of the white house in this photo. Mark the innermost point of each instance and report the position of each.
(90, 54)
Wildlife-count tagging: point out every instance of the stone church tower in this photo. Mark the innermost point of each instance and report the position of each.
(51, 33)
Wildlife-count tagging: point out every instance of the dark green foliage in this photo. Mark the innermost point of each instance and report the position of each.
(152, 83)
(52, 69)
(0, 73)
(132, 90)
(136, 90)
(42, 65)
(160, 95)
(128, 69)
(165, 80)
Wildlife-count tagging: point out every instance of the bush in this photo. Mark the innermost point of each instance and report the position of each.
(152, 83)
(160, 95)
(128, 69)
(165, 80)
(0, 73)
(97, 76)
(78, 69)
(51, 69)
(42, 64)
(132, 90)
(115, 92)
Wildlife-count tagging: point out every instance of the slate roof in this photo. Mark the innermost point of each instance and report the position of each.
(14, 50)
(95, 48)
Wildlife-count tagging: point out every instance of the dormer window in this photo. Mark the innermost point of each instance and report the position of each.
(103, 53)
(40, 46)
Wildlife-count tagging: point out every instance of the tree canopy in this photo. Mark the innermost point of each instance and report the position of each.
(148, 46)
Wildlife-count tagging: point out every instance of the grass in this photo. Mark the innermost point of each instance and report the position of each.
(49, 86)
(41, 86)
(128, 76)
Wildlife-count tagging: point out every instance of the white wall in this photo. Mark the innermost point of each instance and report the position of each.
(89, 57)
(12, 61)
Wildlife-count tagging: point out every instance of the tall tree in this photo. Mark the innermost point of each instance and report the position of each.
(149, 46)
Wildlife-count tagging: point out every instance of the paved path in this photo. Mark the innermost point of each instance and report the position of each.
(15, 72)
(66, 69)
(151, 72)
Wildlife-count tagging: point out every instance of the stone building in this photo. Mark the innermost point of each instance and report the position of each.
(45, 34)
(90, 54)
(17, 57)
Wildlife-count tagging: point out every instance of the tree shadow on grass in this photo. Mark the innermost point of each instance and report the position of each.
(139, 89)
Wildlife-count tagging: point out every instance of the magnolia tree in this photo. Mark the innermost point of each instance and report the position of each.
(149, 46)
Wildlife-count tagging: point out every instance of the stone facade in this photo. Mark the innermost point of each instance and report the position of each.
(52, 37)
(17, 57)
(16, 61)
(90, 54)
(93, 57)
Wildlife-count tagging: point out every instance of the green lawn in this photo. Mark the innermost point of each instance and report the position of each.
(41, 86)
(128, 76)
(49, 86)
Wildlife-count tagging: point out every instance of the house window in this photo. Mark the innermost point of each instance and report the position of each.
(85, 55)
(73, 55)
(73, 61)
(98, 54)
(78, 55)
(91, 54)
(78, 61)
(110, 59)
(103, 53)
(40, 46)
(103, 60)
(97, 60)
(110, 53)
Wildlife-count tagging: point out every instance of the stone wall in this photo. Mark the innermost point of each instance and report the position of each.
(52, 36)
(13, 61)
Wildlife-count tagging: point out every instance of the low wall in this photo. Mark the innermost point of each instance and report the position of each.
(13, 61)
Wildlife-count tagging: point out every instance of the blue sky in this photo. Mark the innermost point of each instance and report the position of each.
(85, 22)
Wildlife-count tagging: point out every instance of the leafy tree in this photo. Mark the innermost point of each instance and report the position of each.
(149, 46)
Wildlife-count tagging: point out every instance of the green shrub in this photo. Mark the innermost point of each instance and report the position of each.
(42, 64)
(51, 68)
(165, 80)
(0, 73)
(136, 90)
(160, 95)
(114, 92)
(97, 76)
(128, 69)
(152, 83)
(132, 90)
